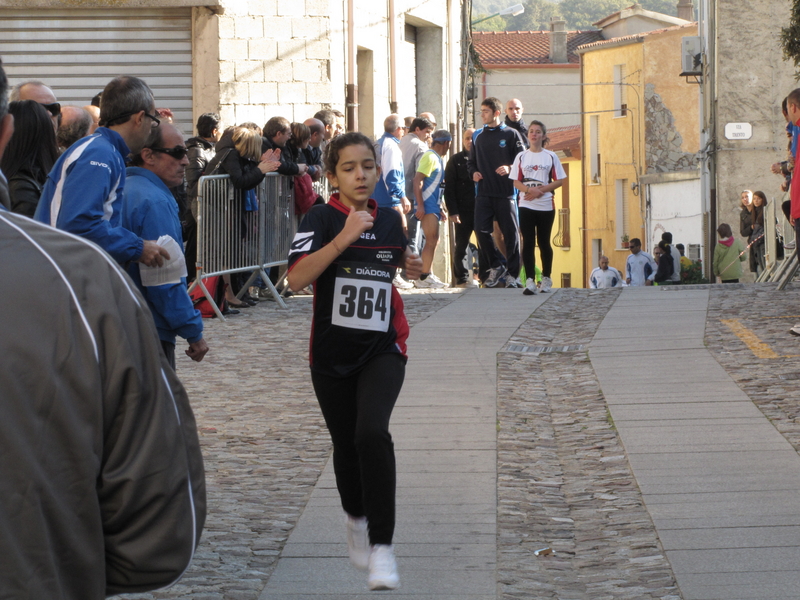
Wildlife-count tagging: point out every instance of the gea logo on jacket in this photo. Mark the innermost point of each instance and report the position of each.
(368, 236)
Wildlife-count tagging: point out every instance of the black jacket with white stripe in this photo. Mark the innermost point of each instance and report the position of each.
(102, 487)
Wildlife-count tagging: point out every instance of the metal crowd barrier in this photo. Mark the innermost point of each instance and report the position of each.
(322, 187)
(233, 240)
(782, 271)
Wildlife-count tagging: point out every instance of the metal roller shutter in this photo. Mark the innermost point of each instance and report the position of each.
(77, 52)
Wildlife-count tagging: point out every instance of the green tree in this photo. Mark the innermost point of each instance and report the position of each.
(790, 38)
(537, 16)
(582, 14)
(665, 7)
(579, 14)
(493, 24)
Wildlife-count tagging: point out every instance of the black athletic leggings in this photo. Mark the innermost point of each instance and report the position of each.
(536, 225)
(357, 410)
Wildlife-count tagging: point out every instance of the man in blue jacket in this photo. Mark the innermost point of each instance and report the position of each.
(151, 212)
(391, 189)
(83, 192)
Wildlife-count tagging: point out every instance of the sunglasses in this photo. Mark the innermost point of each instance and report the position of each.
(178, 152)
(54, 108)
(155, 120)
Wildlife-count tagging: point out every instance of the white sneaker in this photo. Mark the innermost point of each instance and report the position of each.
(795, 330)
(547, 284)
(495, 275)
(512, 282)
(430, 282)
(530, 287)
(789, 245)
(383, 568)
(401, 283)
(358, 542)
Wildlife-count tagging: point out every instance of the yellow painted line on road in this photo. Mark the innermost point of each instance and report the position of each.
(757, 347)
(781, 317)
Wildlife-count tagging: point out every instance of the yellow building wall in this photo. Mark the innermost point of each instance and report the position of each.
(569, 259)
(662, 66)
(621, 149)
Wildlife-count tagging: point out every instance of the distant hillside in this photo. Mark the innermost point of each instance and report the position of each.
(579, 14)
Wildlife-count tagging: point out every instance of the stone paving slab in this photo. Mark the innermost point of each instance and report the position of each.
(730, 537)
(678, 451)
(673, 411)
(667, 483)
(767, 586)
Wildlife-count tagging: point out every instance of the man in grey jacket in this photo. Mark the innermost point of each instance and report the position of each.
(102, 489)
(413, 145)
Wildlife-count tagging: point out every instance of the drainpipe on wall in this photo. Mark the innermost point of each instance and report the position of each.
(351, 92)
(392, 58)
(708, 139)
(585, 143)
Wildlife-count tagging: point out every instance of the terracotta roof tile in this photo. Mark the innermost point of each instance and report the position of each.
(523, 48)
(564, 138)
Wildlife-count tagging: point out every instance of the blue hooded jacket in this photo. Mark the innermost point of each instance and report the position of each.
(83, 194)
(150, 212)
(391, 188)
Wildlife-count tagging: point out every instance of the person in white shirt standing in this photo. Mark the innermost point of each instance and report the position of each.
(641, 268)
(537, 173)
(604, 276)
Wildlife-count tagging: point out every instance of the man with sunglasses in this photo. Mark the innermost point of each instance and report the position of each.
(39, 92)
(150, 211)
(83, 192)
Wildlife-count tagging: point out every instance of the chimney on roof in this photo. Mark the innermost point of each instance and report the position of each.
(685, 10)
(558, 40)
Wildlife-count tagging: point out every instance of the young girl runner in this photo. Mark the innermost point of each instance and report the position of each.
(350, 250)
(537, 173)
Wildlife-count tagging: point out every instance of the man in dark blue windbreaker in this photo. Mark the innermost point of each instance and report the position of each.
(83, 192)
(494, 148)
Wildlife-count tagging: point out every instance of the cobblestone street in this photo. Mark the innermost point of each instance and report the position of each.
(564, 480)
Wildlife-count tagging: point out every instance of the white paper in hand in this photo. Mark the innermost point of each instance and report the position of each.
(172, 270)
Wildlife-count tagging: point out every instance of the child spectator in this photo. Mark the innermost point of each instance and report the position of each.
(728, 255)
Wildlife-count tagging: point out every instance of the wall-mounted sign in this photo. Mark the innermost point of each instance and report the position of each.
(738, 131)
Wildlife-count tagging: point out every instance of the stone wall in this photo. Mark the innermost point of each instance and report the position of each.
(752, 78)
(274, 59)
(663, 142)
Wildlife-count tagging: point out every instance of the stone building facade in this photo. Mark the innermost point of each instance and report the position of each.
(745, 79)
(640, 144)
(250, 60)
(246, 59)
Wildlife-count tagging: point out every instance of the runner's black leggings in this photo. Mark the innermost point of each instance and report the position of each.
(536, 225)
(357, 410)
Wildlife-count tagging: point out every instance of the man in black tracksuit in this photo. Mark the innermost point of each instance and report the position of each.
(514, 119)
(494, 148)
(459, 195)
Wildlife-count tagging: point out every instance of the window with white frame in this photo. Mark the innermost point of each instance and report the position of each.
(594, 148)
(620, 92)
(621, 224)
